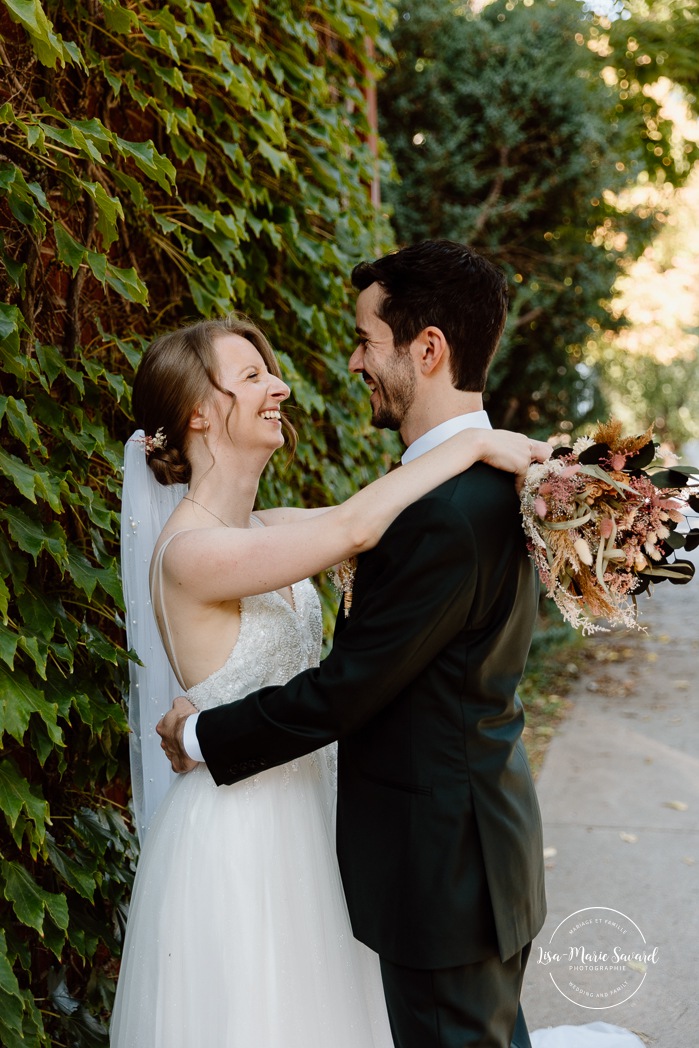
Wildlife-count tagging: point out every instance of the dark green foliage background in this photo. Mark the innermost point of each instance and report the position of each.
(158, 162)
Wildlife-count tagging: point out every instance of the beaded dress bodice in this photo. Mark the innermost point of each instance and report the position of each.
(275, 643)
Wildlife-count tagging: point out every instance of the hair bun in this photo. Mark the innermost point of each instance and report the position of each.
(170, 466)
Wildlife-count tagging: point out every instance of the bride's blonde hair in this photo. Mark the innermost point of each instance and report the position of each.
(175, 375)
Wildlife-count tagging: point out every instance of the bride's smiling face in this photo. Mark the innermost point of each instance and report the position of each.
(253, 418)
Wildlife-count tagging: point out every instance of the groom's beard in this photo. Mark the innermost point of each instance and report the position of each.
(395, 389)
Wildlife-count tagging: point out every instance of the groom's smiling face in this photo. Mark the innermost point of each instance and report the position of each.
(388, 372)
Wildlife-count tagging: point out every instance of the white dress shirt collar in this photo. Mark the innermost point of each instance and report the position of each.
(436, 436)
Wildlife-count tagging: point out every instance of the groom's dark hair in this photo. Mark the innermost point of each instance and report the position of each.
(442, 284)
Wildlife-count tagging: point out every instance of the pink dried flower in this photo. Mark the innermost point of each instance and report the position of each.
(606, 527)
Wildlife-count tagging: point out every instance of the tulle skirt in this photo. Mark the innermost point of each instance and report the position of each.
(238, 934)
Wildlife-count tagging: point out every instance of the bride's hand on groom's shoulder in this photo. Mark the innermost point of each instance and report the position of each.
(170, 728)
(513, 452)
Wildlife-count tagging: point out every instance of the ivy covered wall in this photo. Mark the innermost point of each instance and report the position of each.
(158, 162)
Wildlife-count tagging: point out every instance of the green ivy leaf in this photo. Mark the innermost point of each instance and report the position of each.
(4, 600)
(11, 1003)
(9, 1038)
(161, 40)
(93, 829)
(8, 645)
(135, 189)
(16, 271)
(118, 18)
(37, 651)
(99, 512)
(52, 365)
(54, 938)
(31, 902)
(34, 537)
(16, 796)
(127, 283)
(84, 575)
(46, 43)
(11, 324)
(150, 162)
(79, 876)
(109, 209)
(36, 138)
(20, 199)
(278, 160)
(50, 488)
(68, 250)
(98, 264)
(21, 476)
(110, 581)
(18, 700)
(22, 424)
(100, 646)
(272, 124)
(41, 743)
(36, 191)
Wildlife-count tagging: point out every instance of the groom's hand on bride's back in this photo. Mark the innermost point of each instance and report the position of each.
(170, 728)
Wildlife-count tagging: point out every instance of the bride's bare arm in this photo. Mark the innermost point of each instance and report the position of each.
(289, 514)
(221, 564)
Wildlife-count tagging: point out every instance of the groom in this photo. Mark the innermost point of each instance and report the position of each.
(438, 828)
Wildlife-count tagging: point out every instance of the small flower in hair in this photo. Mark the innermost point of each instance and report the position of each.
(158, 441)
(151, 443)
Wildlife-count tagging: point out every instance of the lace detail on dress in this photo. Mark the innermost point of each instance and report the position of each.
(330, 754)
(275, 642)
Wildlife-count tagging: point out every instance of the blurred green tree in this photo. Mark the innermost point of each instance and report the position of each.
(511, 130)
(656, 40)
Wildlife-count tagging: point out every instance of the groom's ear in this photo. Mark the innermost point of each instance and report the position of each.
(431, 350)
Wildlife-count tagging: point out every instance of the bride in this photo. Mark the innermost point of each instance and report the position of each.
(238, 936)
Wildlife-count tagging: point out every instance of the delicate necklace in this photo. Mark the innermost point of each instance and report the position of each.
(209, 511)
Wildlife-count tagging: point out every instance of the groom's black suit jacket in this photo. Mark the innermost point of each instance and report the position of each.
(438, 829)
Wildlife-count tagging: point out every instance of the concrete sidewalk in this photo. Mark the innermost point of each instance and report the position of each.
(619, 793)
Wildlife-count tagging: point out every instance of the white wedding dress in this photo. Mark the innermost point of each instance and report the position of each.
(238, 934)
